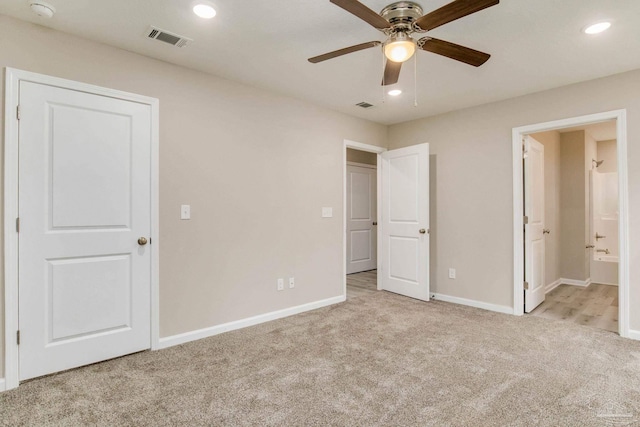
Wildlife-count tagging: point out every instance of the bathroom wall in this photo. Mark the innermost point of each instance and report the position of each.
(574, 259)
(607, 151)
(590, 153)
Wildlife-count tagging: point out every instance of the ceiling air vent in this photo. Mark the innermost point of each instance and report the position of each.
(167, 37)
(364, 104)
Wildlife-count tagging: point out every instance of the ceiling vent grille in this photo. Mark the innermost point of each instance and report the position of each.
(364, 104)
(167, 37)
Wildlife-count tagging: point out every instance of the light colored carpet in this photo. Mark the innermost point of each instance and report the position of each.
(379, 360)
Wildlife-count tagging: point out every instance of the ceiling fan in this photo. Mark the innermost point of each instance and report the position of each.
(399, 21)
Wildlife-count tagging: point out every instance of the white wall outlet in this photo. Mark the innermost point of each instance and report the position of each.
(327, 212)
(281, 284)
(452, 273)
(292, 283)
(185, 212)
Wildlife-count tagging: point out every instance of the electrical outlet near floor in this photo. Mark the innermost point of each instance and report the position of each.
(281, 284)
(452, 273)
(292, 283)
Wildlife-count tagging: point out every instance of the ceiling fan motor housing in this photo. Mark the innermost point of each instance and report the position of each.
(402, 13)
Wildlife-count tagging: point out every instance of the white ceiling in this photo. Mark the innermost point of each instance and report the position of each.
(535, 45)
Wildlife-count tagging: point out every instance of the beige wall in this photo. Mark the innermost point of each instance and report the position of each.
(474, 179)
(358, 156)
(573, 201)
(256, 168)
(551, 142)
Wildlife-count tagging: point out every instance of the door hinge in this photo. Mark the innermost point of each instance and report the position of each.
(18, 337)
(526, 286)
(18, 112)
(18, 225)
(525, 219)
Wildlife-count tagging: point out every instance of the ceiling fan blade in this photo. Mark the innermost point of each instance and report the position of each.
(344, 51)
(363, 12)
(452, 11)
(391, 73)
(454, 51)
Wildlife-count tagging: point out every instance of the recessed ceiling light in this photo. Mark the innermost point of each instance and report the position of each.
(597, 28)
(43, 9)
(394, 92)
(204, 11)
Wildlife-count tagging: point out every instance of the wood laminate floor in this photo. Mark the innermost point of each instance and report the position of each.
(595, 305)
(361, 284)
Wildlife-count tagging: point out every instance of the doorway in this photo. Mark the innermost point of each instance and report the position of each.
(361, 218)
(402, 217)
(566, 266)
(80, 213)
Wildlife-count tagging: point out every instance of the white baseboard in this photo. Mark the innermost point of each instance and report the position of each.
(243, 323)
(574, 282)
(634, 335)
(604, 283)
(551, 286)
(3, 386)
(473, 303)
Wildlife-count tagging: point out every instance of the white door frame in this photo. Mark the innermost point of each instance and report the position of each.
(370, 149)
(620, 116)
(11, 288)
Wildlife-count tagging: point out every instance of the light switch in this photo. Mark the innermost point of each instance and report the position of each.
(185, 212)
(327, 212)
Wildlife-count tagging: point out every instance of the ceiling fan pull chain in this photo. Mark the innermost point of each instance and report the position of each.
(415, 80)
(383, 74)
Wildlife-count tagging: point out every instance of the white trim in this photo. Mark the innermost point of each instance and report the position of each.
(473, 303)
(2, 385)
(634, 335)
(551, 286)
(362, 165)
(574, 282)
(364, 147)
(370, 149)
(243, 323)
(604, 283)
(12, 96)
(11, 101)
(620, 116)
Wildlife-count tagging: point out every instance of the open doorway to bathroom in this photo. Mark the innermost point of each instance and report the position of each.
(361, 223)
(571, 224)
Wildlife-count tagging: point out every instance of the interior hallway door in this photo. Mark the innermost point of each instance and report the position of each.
(405, 221)
(361, 219)
(534, 250)
(85, 217)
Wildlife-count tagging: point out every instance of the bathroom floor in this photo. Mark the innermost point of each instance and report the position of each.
(595, 305)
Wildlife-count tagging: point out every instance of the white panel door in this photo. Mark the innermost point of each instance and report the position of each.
(405, 221)
(84, 200)
(361, 219)
(533, 229)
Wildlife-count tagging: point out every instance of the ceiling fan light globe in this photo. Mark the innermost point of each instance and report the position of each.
(400, 50)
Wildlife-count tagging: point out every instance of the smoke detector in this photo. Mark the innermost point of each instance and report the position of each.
(43, 9)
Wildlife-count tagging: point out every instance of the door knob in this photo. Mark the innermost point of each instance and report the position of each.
(375, 223)
(590, 246)
(142, 241)
(423, 231)
(546, 231)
